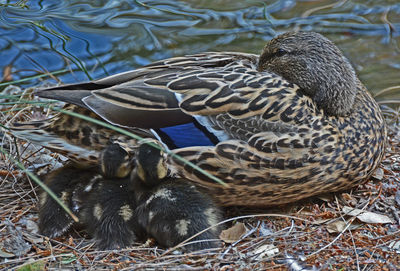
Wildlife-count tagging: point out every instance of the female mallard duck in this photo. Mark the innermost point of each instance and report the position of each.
(289, 124)
(171, 210)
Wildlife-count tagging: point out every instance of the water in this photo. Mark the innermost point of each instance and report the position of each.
(93, 39)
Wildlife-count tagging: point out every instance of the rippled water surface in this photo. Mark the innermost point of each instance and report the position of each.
(92, 39)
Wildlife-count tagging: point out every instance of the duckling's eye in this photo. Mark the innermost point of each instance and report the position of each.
(280, 52)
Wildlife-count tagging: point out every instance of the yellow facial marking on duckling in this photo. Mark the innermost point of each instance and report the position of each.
(125, 212)
(162, 169)
(182, 226)
(125, 169)
(97, 211)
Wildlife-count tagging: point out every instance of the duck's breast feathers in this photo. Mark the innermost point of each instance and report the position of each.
(169, 90)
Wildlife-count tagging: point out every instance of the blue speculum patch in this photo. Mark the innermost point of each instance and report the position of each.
(186, 135)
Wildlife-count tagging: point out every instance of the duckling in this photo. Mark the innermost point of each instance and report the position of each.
(115, 162)
(288, 124)
(101, 197)
(53, 220)
(108, 211)
(170, 209)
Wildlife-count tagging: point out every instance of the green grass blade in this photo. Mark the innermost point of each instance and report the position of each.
(387, 90)
(29, 102)
(32, 78)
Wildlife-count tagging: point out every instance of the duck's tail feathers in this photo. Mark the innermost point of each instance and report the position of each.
(36, 133)
(67, 94)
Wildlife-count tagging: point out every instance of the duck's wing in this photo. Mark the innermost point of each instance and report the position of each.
(222, 92)
(169, 92)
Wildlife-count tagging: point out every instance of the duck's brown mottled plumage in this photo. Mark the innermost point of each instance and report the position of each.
(296, 120)
(80, 140)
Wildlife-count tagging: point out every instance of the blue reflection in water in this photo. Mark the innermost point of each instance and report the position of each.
(93, 39)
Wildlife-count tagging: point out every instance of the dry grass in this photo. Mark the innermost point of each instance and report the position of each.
(295, 234)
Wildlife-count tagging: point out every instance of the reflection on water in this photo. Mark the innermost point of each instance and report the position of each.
(97, 38)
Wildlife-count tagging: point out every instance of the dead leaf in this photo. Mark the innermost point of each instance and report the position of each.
(268, 250)
(348, 199)
(346, 196)
(325, 197)
(395, 245)
(32, 226)
(321, 221)
(7, 74)
(5, 254)
(233, 234)
(306, 213)
(339, 226)
(366, 216)
(33, 239)
(378, 174)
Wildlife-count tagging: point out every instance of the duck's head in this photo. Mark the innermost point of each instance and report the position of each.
(151, 163)
(115, 162)
(316, 65)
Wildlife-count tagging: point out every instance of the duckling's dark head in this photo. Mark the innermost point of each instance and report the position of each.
(115, 162)
(316, 65)
(151, 165)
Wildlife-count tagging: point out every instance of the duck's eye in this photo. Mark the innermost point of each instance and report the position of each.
(280, 52)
